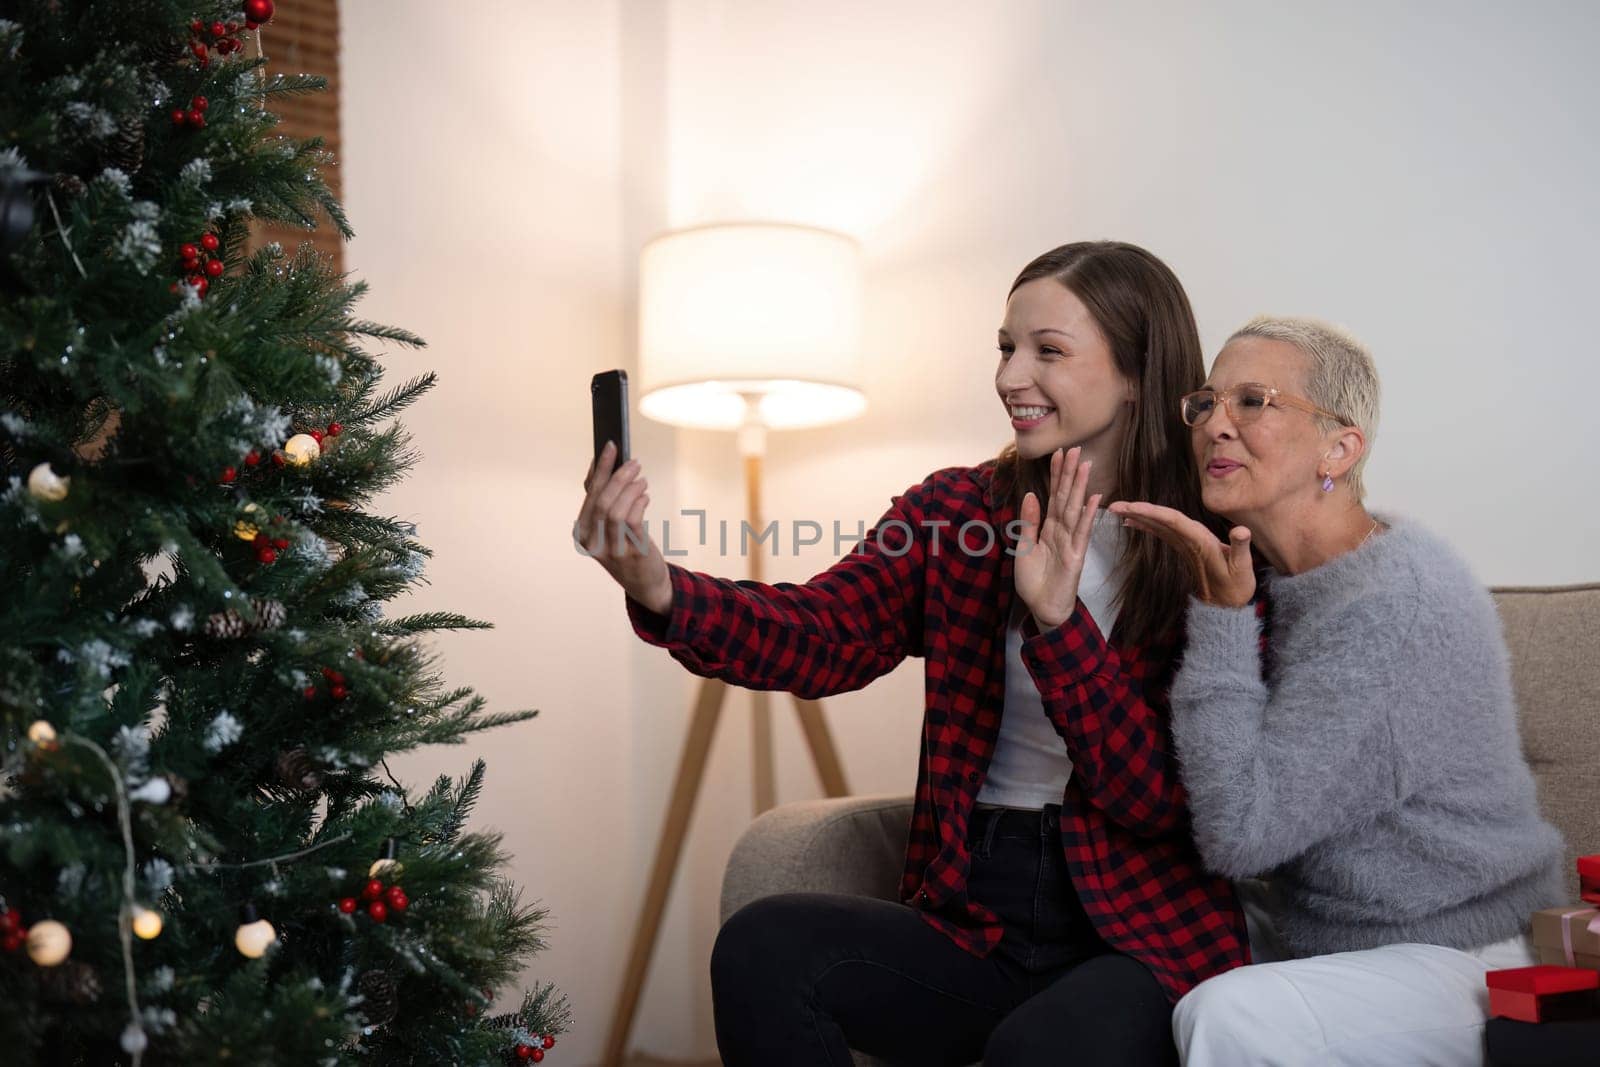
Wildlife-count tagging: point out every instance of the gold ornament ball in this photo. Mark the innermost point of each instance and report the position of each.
(244, 529)
(46, 484)
(301, 449)
(41, 732)
(146, 924)
(48, 942)
(382, 867)
(253, 939)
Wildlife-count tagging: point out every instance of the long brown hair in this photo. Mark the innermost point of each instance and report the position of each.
(1144, 314)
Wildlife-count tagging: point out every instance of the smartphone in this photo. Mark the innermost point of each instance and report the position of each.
(608, 391)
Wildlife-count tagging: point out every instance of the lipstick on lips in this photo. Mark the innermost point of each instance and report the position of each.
(1221, 468)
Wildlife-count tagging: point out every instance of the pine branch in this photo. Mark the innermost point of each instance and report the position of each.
(398, 398)
(428, 622)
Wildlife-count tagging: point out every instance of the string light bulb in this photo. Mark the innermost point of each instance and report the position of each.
(255, 935)
(146, 923)
(41, 732)
(49, 942)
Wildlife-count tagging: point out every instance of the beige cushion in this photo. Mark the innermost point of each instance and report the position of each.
(1554, 637)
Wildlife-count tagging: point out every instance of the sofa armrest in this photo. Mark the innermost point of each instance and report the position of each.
(853, 845)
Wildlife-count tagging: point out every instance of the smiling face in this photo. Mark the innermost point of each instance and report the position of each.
(1272, 464)
(1057, 378)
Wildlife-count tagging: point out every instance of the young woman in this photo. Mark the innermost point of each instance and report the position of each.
(1367, 759)
(1052, 899)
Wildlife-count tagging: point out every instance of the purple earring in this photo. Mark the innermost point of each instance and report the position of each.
(1327, 483)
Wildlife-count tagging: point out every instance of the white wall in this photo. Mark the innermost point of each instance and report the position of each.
(1421, 173)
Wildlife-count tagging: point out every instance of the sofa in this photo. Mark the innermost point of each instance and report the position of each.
(857, 844)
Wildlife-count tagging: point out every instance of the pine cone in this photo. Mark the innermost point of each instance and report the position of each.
(380, 998)
(68, 184)
(296, 770)
(227, 624)
(73, 982)
(164, 50)
(270, 614)
(125, 151)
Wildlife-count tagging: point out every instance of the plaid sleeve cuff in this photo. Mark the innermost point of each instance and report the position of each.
(1064, 655)
(675, 627)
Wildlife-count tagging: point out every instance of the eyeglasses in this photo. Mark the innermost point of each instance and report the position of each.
(1245, 404)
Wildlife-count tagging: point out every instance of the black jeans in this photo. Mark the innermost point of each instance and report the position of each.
(802, 978)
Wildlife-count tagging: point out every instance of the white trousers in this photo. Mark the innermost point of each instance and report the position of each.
(1413, 1005)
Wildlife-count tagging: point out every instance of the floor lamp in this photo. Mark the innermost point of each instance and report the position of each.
(747, 327)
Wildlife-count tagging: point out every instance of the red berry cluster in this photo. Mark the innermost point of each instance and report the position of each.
(267, 548)
(222, 37)
(199, 261)
(12, 932)
(194, 116)
(379, 899)
(336, 685)
(535, 1051)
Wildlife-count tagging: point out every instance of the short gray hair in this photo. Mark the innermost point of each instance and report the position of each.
(1340, 375)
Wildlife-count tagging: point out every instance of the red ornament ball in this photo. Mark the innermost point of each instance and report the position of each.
(191, 266)
(397, 899)
(214, 267)
(334, 429)
(332, 675)
(338, 692)
(258, 10)
(310, 692)
(200, 283)
(251, 458)
(348, 905)
(210, 242)
(315, 435)
(10, 921)
(178, 116)
(229, 474)
(200, 103)
(218, 30)
(266, 555)
(538, 1055)
(278, 460)
(524, 1052)
(549, 1042)
(372, 890)
(261, 540)
(250, 24)
(197, 26)
(13, 941)
(188, 251)
(199, 49)
(379, 911)
(196, 118)
(280, 543)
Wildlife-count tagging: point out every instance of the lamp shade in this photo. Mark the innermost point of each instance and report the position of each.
(750, 308)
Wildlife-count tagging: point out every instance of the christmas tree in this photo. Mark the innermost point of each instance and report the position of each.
(203, 855)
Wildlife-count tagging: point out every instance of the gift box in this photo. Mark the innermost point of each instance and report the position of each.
(1589, 879)
(1568, 937)
(1543, 994)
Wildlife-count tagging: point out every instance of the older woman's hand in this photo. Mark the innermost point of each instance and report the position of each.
(1223, 572)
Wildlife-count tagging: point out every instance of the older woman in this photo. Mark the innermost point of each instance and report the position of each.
(1363, 760)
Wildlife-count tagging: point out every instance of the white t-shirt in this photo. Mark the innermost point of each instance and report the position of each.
(1030, 766)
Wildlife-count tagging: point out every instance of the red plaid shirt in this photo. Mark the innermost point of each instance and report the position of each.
(908, 589)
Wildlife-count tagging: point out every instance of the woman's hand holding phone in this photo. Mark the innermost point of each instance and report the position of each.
(610, 528)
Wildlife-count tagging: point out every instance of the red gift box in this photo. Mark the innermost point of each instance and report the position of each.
(1589, 879)
(1543, 994)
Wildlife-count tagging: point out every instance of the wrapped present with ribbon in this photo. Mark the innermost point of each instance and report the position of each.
(1543, 994)
(1568, 937)
(1589, 879)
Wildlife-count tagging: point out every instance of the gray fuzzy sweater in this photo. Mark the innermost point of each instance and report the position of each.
(1371, 770)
